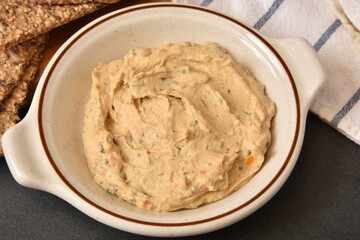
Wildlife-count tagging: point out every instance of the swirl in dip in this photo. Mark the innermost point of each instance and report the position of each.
(176, 126)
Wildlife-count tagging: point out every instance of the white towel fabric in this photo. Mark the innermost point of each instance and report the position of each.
(331, 26)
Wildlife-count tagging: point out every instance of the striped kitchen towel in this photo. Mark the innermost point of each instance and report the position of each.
(332, 27)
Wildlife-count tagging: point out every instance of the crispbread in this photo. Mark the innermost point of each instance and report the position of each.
(10, 106)
(75, 1)
(13, 62)
(22, 20)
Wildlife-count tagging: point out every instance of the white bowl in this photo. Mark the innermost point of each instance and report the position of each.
(45, 151)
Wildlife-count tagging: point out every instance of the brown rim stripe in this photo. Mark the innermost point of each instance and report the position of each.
(291, 151)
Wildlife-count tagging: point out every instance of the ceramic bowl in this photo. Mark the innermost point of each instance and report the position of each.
(45, 150)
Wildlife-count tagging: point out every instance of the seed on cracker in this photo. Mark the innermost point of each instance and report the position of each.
(9, 109)
(22, 20)
(75, 1)
(13, 62)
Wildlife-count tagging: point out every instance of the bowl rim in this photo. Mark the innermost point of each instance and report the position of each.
(117, 13)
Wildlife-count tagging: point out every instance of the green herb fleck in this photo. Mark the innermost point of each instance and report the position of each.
(185, 70)
(103, 162)
(203, 101)
(101, 148)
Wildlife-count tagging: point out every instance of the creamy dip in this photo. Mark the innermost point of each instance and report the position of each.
(175, 126)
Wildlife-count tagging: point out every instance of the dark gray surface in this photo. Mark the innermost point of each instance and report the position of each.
(320, 200)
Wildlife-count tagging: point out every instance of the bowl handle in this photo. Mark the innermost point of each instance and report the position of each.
(304, 65)
(25, 156)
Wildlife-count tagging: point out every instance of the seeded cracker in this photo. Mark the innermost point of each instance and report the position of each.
(75, 1)
(10, 106)
(14, 61)
(22, 20)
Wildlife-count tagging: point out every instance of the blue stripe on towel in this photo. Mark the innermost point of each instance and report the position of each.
(327, 34)
(355, 98)
(206, 3)
(276, 4)
(346, 108)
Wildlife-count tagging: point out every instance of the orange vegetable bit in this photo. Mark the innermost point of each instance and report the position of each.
(187, 43)
(202, 171)
(249, 160)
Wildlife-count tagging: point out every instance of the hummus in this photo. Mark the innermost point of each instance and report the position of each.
(176, 126)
